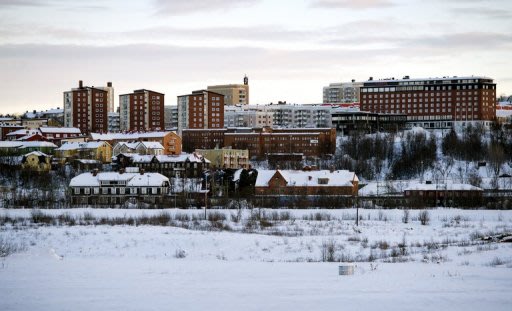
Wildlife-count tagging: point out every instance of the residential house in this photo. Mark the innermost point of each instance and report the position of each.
(226, 157)
(36, 161)
(143, 147)
(170, 141)
(296, 182)
(118, 187)
(99, 151)
(24, 147)
(184, 165)
(431, 194)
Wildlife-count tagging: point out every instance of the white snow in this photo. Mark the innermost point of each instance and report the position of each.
(136, 267)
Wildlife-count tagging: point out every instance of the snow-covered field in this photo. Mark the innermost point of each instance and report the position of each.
(260, 260)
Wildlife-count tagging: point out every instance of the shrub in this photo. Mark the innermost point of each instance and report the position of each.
(8, 247)
(180, 253)
(405, 217)
(424, 217)
(328, 250)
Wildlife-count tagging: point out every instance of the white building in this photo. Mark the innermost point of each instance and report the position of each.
(118, 187)
(345, 92)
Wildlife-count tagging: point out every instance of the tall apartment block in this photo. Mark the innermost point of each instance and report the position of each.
(142, 111)
(234, 94)
(86, 108)
(171, 117)
(201, 110)
(300, 116)
(345, 92)
(110, 96)
(433, 102)
(247, 116)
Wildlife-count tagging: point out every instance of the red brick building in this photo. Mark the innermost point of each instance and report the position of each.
(142, 110)
(294, 182)
(433, 102)
(311, 142)
(201, 110)
(86, 108)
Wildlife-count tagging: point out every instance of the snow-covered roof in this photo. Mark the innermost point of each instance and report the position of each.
(80, 145)
(191, 157)
(56, 130)
(138, 158)
(295, 178)
(132, 179)
(37, 153)
(127, 136)
(24, 132)
(152, 144)
(27, 144)
(441, 187)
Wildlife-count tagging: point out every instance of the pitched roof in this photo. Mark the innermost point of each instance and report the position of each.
(442, 187)
(132, 179)
(127, 136)
(295, 178)
(56, 130)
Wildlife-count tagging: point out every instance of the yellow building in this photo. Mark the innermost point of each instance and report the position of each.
(226, 158)
(93, 150)
(234, 94)
(36, 161)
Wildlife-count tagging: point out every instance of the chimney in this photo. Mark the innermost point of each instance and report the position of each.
(370, 79)
(353, 80)
(80, 84)
(309, 177)
(95, 172)
(141, 171)
(109, 84)
(121, 170)
(331, 169)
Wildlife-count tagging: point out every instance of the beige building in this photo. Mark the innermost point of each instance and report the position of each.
(234, 94)
(226, 157)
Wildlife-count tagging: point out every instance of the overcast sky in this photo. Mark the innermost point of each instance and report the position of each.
(289, 49)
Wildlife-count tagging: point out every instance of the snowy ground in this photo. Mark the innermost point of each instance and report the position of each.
(275, 264)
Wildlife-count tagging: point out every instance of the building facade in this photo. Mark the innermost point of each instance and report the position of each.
(118, 188)
(337, 93)
(255, 116)
(201, 110)
(311, 142)
(170, 141)
(296, 182)
(297, 116)
(433, 102)
(142, 110)
(347, 122)
(86, 108)
(114, 125)
(226, 157)
(171, 118)
(234, 94)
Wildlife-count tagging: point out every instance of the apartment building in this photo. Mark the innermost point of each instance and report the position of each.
(234, 94)
(433, 102)
(248, 116)
(201, 110)
(300, 116)
(171, 117)
(114, 125)
(142, 110)
(344, 92)
(86, 108)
